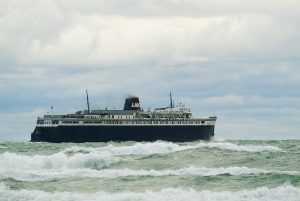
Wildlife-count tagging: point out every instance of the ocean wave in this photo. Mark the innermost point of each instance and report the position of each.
(281, 193)
(60, 173)
(161, 147)
(241, 148)
(15, 165)
(149, 148)
(191, 170)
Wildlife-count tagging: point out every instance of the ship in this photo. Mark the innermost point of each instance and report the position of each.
(171, 123)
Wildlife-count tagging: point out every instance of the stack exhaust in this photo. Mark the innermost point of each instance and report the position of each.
(132, 103)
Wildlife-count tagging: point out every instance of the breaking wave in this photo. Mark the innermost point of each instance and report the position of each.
(161, 147)
(158, 147)
(91, 162)
(2, 147)
(64, 171)
(242, 148)
(14, 165)
(281, 193)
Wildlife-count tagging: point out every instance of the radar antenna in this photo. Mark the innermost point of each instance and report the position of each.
(87, 101)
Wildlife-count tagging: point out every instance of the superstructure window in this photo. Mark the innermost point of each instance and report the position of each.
(40, 122)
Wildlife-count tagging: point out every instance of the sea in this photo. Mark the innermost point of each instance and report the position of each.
(235, 170)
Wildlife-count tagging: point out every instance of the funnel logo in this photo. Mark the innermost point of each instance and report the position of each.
(135, 105)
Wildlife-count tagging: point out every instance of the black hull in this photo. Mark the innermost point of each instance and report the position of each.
(93, 133)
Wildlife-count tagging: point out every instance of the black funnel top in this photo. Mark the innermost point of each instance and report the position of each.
(132, 103)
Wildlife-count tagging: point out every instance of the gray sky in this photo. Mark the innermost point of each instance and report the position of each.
(238, 60)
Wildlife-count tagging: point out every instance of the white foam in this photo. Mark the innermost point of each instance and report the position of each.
(60, 173)
(87, 161)
(192, 170)
(281, 193)
(23, 166)
(160, 147)
(241, 148)
(218, 139)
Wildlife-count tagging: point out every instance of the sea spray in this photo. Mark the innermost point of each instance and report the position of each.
(201, 170)
(281, 193)
(55, 161)
(63, 172)
(161, 147)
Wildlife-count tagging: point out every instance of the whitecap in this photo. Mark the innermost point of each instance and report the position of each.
(191, 170)
(241, 148)
(161, 147)
(281, 193)
(60, 173)
(14, 165)
(158, 147)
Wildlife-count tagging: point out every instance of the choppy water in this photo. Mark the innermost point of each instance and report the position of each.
(215, 170)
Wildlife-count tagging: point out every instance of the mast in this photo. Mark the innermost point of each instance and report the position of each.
(87, 101)
(171, 100)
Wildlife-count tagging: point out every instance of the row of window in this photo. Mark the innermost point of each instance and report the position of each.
(111, 116)
(70, 122)
(121, 122)
(135, 122)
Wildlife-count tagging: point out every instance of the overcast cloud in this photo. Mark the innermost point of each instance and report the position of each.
(237, 59)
